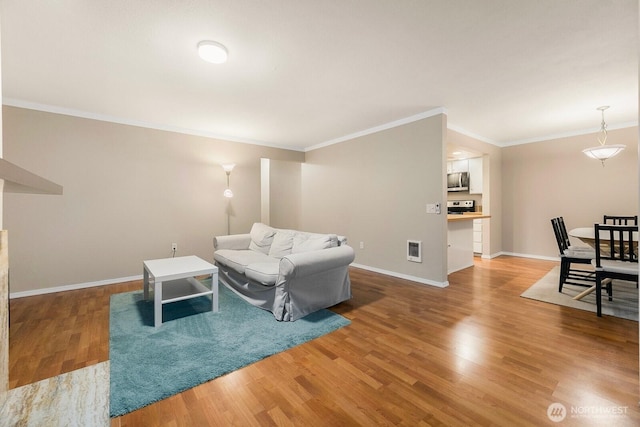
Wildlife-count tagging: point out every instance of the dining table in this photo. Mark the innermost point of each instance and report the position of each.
(588, 235)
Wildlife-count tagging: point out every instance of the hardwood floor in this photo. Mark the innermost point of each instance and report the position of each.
(474, 353)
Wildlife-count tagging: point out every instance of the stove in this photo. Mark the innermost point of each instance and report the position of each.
(458, 207)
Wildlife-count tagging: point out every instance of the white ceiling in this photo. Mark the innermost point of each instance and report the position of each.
(302, 73)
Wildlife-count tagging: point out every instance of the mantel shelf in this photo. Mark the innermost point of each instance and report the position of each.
(19, 180)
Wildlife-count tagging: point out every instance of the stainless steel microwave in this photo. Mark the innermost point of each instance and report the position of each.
(458, 181)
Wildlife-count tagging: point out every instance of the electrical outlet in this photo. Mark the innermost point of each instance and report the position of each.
(174, 247)
(361, 245)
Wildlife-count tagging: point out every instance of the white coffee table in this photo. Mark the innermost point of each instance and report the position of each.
(173, 279)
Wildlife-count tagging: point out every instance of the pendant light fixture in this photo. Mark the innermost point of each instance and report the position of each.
(603, 152)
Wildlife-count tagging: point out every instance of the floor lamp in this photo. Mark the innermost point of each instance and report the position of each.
(228, 193)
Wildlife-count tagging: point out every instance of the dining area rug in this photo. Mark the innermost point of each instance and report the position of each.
(624, 304)
(194, 344)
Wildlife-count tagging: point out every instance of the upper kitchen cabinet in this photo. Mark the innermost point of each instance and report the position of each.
(458, 166)
(475, 175)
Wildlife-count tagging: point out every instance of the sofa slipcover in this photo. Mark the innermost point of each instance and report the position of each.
(290, 273)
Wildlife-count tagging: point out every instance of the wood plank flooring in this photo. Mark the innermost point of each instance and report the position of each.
(474, 353)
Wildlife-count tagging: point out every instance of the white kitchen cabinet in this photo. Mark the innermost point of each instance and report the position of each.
(475, 175)
(460, 165)
(477, 236)
(460, 245)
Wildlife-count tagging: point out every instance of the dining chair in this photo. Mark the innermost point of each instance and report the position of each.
(569, 255)
(620, 219)
(617, 258)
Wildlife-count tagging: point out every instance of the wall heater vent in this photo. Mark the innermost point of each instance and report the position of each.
(414, 250)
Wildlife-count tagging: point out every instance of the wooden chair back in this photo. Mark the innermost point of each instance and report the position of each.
(620, 219)
(560, 231)
(557, 224)
(615, 242)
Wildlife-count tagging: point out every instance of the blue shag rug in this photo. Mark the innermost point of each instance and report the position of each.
(194, 345)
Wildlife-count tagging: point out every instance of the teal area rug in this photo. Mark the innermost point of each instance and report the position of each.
(194, 345)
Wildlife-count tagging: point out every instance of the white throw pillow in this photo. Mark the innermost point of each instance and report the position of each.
(281, 245)
(261, 237)
(307, 242)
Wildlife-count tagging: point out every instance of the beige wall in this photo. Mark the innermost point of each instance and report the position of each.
(285, 194)
(492, 187)
(374, 189)
(553, 178)
(129, 192)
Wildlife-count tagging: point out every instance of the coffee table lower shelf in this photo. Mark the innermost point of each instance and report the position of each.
(181, 289)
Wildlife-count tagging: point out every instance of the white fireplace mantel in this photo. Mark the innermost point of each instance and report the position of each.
(19, 180)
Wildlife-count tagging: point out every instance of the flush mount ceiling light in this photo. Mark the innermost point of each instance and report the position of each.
(213, 52)
(603, 152)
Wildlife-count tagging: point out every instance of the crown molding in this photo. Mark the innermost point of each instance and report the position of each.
(568, 134)
(375, 129)
(12, 102)
(463, 131)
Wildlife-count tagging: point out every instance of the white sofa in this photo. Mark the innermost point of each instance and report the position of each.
(290, 273)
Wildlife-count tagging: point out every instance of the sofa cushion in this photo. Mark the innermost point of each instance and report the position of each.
(307, 242)
(238, 260)
(282, 244)
(261, 237)
(263, 272)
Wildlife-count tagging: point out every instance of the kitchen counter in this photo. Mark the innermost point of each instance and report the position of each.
(466, 216)
(460, 240)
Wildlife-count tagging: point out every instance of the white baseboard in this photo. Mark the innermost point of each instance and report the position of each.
(402, 276)
(543, 257)
(492, 256)
(421, 280)
(72, 287)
